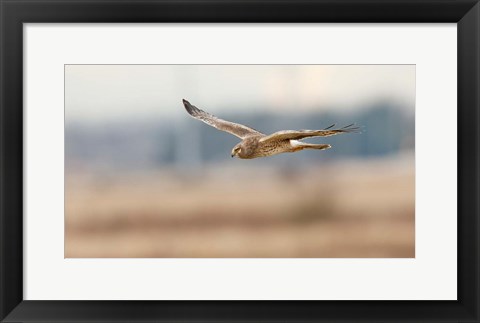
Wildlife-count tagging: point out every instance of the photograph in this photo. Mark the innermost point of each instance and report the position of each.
(239, 161)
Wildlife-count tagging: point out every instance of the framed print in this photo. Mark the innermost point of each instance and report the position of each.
(239, 161)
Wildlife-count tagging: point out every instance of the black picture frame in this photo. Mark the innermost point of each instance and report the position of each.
(13, 13)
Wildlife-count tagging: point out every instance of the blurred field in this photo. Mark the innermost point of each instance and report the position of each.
(363, 209)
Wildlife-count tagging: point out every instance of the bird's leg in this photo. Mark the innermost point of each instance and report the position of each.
(312, 146)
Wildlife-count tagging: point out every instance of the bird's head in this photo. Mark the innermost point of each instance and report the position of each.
(236, 150)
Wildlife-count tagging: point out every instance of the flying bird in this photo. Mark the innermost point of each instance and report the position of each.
(255, 144)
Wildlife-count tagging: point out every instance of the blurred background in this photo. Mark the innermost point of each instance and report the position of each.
(144, 179)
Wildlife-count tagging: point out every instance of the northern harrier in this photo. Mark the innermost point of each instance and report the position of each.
(256, 144)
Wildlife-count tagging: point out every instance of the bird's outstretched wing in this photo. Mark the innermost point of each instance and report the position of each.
(299, 134)
(235, 129)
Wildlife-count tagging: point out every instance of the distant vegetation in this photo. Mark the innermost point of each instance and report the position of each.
(141, 145)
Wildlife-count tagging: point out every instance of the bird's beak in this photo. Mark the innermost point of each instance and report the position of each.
(232, 154)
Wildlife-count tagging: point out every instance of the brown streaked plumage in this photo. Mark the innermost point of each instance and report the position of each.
(256, 144)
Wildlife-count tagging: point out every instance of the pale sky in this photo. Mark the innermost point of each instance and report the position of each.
(104, 92)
